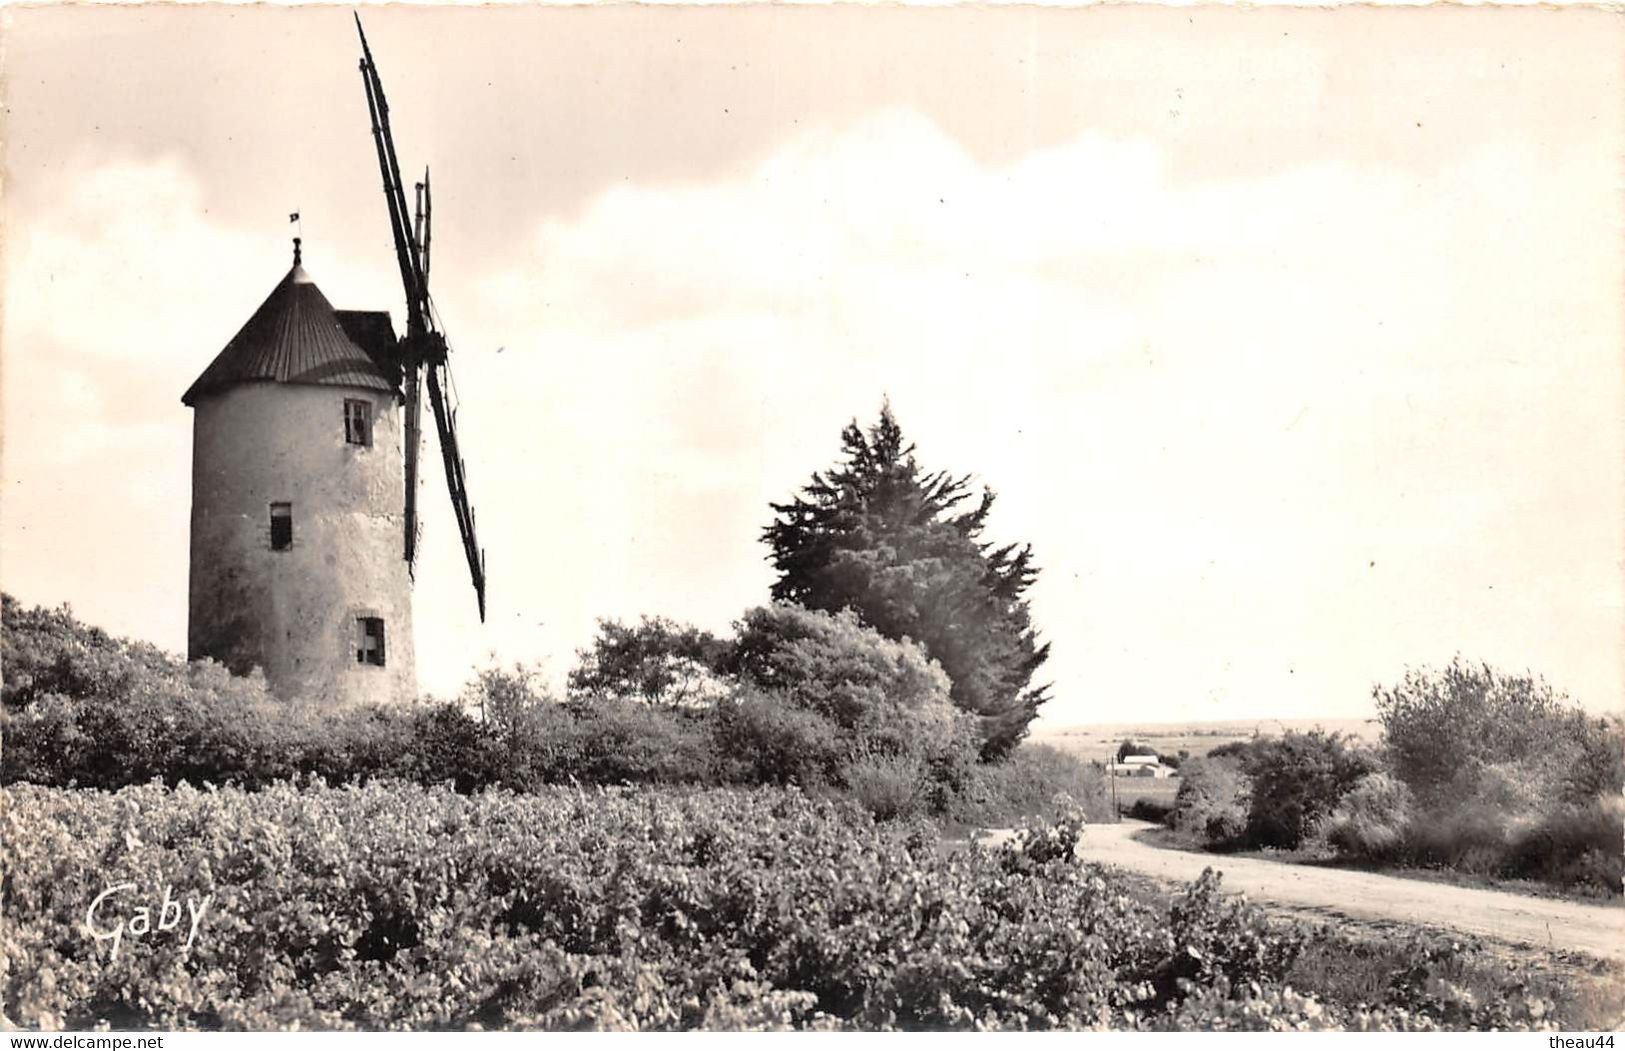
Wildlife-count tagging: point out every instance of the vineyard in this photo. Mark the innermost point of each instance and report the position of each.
(394, 906)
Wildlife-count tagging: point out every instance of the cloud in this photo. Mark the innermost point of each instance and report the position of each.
(1272, 438)
(109, 269)
(110, 286)
(1205, 403)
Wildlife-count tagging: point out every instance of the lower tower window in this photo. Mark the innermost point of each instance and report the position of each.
(281, 527)
(370, 641)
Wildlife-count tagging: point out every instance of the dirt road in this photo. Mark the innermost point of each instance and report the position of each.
(1598, 930)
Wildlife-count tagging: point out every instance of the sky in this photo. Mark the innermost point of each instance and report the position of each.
(1289, 339)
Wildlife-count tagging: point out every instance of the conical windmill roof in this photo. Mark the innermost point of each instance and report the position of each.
(294, 337)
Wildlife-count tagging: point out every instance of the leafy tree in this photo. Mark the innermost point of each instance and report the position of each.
(1441, 726)
(903, 548)
(1128, 748)
(49, 651)
(504, 697)
(1600, 767)
(657, 661)
(1241, 751)
(1297, 780)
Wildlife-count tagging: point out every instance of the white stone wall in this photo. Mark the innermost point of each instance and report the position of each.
(293, 613)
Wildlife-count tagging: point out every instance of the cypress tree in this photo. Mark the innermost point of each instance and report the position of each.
(903, 548)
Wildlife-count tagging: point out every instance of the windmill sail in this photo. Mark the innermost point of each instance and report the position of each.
(413, 411)
(445, 420)
(423, 348)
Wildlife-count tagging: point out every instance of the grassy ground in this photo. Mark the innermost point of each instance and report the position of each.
(1356, 961)
(1322, 857)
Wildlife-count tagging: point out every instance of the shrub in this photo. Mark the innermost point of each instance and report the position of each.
(89, 710)
(761, 738)
(609, 740)
(1225, 939)
(1297, 779)
(1510, 777)
(874, 701)
(1573, 844)
(820, 694)
(953, 765)
(889, 786)
(1505, 786)
(214, 728)
(1150, 810)
(851, 675)
(163, 720)
(1371, 821)
(1225, 829)
(1469, 836)
(1212, 799)
(612, 742)
(442, 745)
(1033, 781)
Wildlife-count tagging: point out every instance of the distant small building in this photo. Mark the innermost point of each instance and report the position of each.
(1139, 766)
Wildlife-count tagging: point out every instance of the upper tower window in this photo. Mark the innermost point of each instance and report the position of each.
(357, 421)
(281, 527)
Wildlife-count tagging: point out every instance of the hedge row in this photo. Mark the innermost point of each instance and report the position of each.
(1523, 816)
(809, 699)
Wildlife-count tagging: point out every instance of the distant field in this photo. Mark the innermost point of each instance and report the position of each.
(1099, 741)
(1132, 789)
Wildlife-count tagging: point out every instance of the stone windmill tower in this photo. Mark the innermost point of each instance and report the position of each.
(297, 502)
(305, 445)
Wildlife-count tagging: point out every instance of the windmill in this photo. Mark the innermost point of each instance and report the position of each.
(423, 349)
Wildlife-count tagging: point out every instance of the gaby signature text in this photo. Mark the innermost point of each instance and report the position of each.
(110, 917)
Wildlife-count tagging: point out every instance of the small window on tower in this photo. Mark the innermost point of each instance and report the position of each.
(281, 527)
(370, 643)
(357, 421)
